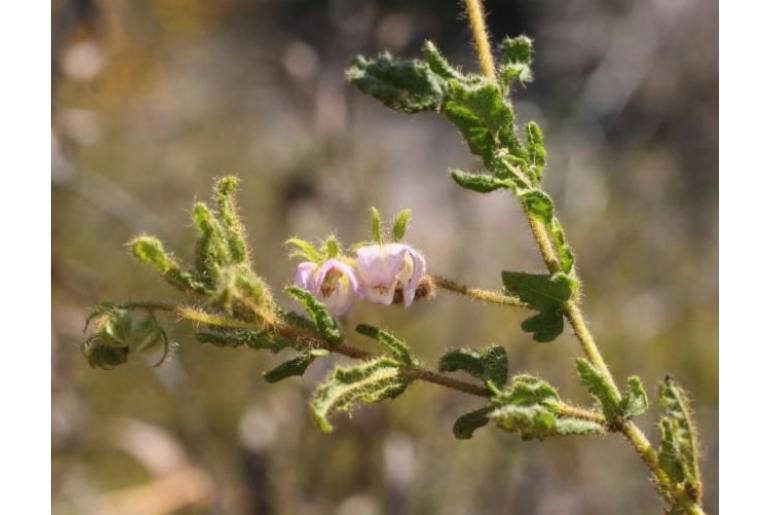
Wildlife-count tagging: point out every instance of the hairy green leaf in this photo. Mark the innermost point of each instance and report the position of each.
(118, 333)
(466, 425)
(516, 60)
(483, 117)
(305, 250)
(396, 347)
(529, 421)
(257, 340)
(149, 250)
(568, 426)
(530, 407)
(601, 389)
(404, 86)
(541, 291)
(679, 438)
(528, 390)
(212, 252)
(368, 382)
(331, 246)
(634, 401)
(538, 203)
(224, 194)
(489, 364)
(563, 250)
(400, 223)
(323, 320)
(376, 225)
(438, 63)
(545, 327)
(294, 367)
(536, 148)
(670, 452)
(478, 182)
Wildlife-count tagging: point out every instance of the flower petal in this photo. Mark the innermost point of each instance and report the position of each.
(418, 272)
(304, 277)
(379, 266)
(337, 286)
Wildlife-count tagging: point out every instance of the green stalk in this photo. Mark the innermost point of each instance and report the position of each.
(636, 436)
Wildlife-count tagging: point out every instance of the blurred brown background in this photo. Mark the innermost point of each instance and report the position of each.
(154, 98)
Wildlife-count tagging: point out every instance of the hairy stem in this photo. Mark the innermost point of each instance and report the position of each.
(475, 11)
(479, 294)
(631, 431)
(315, 341)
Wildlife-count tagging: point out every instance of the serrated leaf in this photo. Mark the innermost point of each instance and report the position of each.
(601, 389)
(516, 60)
(527, 390)
(531, 407)
(478, 182)
(489, 364)
(483, 117)
(466, 425)
(679, 438)
(670, 454)
(404, 86)
(536, 148)
(322, 319)
(369, 382)
(529, 421)
(294, 367)
(541, 291)
(395, 346)
(538, 203)
(563, 250)
(634, 401)
(517, 50)
(438, 63)
(400, 223)
(211, 252)
(224, 194)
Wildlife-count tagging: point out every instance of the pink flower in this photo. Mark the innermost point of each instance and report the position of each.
(384, 268)
(333, 282)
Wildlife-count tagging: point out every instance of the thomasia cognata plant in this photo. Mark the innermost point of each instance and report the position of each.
(232, 306)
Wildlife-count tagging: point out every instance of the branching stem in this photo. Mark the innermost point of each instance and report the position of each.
(315, 341)
(631, 431)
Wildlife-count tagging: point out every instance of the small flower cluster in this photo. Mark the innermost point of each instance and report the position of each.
(383, 273)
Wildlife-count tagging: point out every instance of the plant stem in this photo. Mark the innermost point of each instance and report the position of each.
(313, 340)
(479, 294)
(475, 11)
(631, 431)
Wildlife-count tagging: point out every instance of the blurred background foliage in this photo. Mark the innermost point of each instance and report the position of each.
(154, 98)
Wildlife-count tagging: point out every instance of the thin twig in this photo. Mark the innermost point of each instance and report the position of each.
(479, 294)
